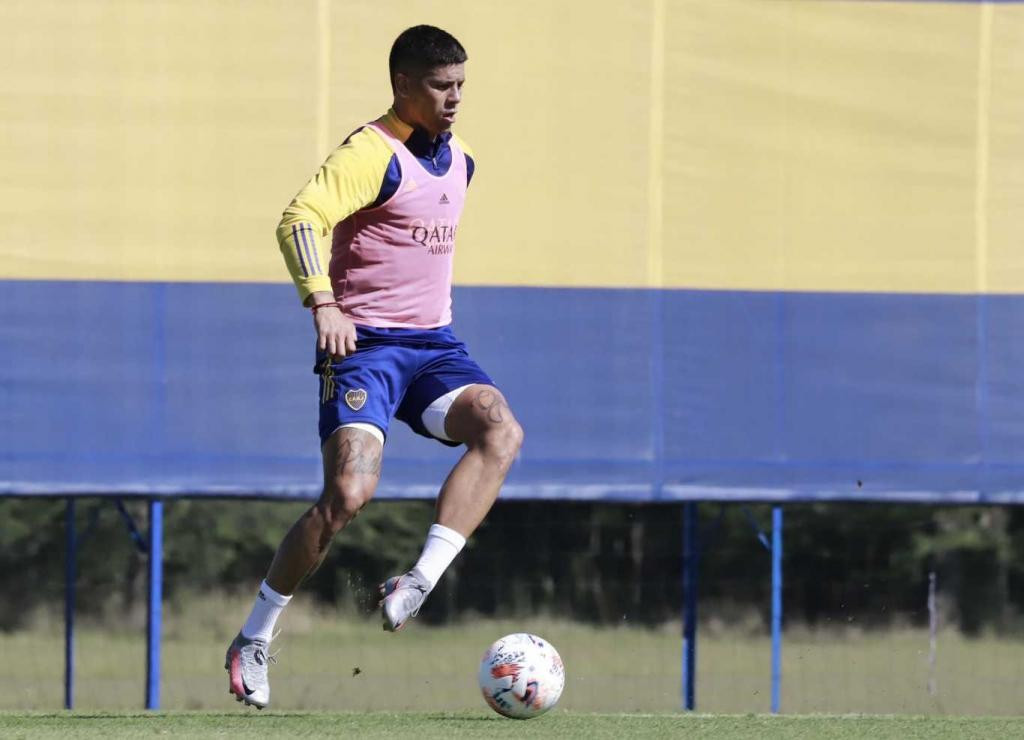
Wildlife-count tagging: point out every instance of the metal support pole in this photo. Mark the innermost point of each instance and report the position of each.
(156, 549)
(776, 606)
(70, 547)
(690, 557)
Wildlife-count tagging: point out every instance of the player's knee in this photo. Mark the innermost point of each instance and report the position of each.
(344, 497)
(503, 441)
(340, 511)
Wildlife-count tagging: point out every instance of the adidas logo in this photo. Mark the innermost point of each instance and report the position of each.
(443, 201)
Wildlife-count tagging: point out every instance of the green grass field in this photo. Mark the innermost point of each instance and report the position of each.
(423, 669)
(422, 725)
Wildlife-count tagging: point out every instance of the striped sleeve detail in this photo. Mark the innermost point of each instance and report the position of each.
(348, 181)
(306, 250)
(299, 249)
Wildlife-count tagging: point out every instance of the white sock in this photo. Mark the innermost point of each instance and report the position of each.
(443, 544)
(268, 607)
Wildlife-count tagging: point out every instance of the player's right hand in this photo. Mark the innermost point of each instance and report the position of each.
(335, 333)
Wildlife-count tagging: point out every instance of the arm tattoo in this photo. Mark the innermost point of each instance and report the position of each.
(491, 404)
(353, 457)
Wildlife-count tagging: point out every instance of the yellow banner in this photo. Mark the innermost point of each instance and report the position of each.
(720, 144)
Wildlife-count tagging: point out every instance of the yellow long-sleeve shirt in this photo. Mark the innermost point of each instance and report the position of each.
(356, 175)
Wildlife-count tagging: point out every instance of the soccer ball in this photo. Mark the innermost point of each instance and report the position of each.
(521, 676)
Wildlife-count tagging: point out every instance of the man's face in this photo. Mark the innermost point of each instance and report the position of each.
(432, 100)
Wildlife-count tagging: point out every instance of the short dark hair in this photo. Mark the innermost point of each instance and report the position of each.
(421, 48)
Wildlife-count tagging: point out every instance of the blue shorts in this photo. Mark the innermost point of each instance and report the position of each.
(394, 372)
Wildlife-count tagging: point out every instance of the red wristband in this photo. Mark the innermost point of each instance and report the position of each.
(317, 306)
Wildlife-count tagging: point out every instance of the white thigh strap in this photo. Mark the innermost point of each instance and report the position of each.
(435, 414)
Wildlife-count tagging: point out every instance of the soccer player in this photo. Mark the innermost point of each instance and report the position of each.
(390, 198)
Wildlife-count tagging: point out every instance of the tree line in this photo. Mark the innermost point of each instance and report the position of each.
(594, 562)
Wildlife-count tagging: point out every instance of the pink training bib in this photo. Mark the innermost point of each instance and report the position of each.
(391, 266)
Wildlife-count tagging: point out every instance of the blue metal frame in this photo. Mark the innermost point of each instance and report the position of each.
(156, 565)
(154, 548)
(70, 572)
(691, 557)
(691, 553)
(776, 607)
(774, 547)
